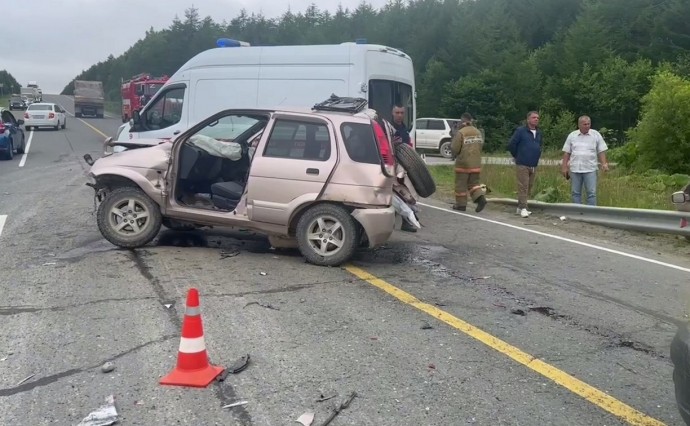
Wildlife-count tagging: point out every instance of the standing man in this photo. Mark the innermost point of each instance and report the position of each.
(399, 125)
(581, 150)
(526, 146)
(467, 151)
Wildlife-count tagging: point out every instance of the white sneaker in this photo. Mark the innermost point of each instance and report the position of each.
(525, 213)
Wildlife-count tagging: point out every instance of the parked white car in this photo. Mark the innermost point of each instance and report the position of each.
(434, 134)
(45, 114)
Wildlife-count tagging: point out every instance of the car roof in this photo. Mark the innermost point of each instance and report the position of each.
(42, 103)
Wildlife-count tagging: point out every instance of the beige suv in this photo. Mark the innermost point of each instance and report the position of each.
(319, 180)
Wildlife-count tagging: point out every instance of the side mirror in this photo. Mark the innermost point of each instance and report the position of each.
(20, 122)
(679, 197)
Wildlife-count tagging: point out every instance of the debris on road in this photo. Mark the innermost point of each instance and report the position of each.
(49, 263)
(426, 326)
(263, 274)
(168, 305)
(306, 419)
(8, 355)
(105, 415)
(325, 398)
(518, 312)
(236, 367)
(263, 305)
(236, 404)
(337, 410)
(562, 218)
(107, 367)
(481, 278)
(24, 380)
(226, 254)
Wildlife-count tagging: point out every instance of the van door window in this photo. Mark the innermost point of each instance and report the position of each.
(383, 94)
(166, 111)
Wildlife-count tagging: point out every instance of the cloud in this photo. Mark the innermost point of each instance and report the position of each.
(58, 40)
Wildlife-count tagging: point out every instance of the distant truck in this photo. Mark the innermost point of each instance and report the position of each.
(89, 98)
(137, 91)
(31, 94)
(39, 92)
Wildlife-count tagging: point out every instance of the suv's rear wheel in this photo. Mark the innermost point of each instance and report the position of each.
(444, 149)
(128, 218)
(327, 235)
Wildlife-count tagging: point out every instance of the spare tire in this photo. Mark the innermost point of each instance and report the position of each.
(417, 171)
(680, 355)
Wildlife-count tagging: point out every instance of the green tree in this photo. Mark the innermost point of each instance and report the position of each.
(662, 136)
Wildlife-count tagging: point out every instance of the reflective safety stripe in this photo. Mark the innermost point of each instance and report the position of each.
(462, 170)
(192, 346)
(192, 311)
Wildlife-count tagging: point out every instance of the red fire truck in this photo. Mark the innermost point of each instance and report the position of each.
(137, 91)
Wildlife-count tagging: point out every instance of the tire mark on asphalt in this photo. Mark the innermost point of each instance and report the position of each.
(224, 392)
(44, 381)
(15, 310)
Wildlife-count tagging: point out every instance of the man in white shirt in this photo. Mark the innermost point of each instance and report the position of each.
(583, 151)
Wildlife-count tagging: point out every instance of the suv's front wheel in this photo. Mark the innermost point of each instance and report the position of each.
(327, 235)
(128, 218)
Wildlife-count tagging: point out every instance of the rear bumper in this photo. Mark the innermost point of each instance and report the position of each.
(40, 123)
(377, 223)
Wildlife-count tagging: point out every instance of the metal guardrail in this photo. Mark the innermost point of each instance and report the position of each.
(657, 221)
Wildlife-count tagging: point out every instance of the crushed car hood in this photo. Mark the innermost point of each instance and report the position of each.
(153, 157)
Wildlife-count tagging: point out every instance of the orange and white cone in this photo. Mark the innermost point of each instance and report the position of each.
(193, 368)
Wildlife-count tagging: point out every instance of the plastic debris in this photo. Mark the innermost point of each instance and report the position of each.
(263, 305)
(562, 218)
(262, 273)
(107, 367)
(226, 254)
(337, 410)
(306, 419)
(518, 312)
(426, 326)
(49, 263)
(325, 398)
(167, 305)
(236, 404)
(24, 380)
(105, 415)
(236, 367)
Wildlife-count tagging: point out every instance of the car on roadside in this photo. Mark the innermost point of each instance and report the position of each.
(318, 179)
(12, 138)
(434, 134)
(45, 114)
(17, 102)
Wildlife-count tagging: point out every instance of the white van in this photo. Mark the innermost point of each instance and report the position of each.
(271, 76)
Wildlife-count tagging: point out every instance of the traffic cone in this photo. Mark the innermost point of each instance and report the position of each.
(193, 368)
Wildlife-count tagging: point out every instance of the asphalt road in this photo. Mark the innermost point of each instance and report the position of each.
(468, 321)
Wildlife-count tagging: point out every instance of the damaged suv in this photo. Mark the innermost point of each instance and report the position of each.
(317, 179)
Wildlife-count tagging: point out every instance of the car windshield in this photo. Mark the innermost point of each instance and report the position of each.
(35, 107)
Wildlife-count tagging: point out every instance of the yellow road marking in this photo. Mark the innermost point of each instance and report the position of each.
(588, 392)
(93, 128)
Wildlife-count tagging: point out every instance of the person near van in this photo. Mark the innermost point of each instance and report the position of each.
(467, 149)
(401, 131)
(526, 146)
(583, 151)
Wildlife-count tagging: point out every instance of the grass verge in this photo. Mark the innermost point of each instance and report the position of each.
(617, 188)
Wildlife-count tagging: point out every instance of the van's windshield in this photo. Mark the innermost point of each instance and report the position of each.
(384, 94)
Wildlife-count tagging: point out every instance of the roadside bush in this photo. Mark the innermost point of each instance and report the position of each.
(662, 136)
(625, 156)
(556, 127)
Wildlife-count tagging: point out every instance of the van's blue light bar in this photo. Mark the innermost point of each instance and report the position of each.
(228, 42)
(361, 41)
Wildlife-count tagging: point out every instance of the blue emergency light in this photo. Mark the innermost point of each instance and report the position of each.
(361, 41)
(228, 42)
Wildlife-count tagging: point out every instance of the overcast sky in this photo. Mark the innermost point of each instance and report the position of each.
(52, 41)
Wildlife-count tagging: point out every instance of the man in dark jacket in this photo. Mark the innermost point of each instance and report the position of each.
(401, 131)
(526, 146)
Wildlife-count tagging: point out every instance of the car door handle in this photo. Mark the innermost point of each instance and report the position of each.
(176, 132)
(313, 172)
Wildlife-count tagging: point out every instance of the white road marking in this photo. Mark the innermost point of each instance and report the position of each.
(544, 234)
(3, 219)
(26, 150)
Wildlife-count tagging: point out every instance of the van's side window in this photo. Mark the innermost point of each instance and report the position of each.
(299, 140)
(166, 111)
(383, 94)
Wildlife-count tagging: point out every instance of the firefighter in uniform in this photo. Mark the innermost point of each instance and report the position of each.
(467, 150)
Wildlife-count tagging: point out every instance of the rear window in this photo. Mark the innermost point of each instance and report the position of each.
(360, 143)
(16, 98)
(34, 107)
